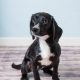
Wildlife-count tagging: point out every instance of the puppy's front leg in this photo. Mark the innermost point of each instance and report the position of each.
(35, 70)
(55, 71)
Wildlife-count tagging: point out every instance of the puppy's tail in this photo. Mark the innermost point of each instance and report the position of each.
(18, 67)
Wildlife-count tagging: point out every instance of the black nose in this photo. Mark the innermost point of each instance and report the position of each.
(35, 30)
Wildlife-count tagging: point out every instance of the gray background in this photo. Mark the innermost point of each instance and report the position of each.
(15, 16)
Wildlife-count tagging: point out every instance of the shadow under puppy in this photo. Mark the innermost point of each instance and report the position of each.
(45, 50)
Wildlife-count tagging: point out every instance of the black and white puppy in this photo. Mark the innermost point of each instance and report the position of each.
(45, 50)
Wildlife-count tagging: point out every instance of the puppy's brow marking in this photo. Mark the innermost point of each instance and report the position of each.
(36, 26)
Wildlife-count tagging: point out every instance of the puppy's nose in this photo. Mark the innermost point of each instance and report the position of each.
(35, 30)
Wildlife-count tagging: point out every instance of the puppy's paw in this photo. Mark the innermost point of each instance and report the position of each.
(56, 79)
(55, 76)
(23, 79)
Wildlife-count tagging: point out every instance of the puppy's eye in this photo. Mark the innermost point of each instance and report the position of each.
(36, 17)
(44, 21)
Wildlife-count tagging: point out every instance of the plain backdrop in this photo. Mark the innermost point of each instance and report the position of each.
(15, 16)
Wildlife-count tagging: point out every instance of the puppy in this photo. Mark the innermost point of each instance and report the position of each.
(45, 50)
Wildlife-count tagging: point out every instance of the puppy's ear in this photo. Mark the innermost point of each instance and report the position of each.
(57, 31)
(31, 24)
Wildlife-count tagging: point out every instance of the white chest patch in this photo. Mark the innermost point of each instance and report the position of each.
(45, 52)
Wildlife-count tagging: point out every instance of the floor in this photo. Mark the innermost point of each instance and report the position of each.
(69, 68)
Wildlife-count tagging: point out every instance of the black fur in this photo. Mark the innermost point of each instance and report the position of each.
(30, 61)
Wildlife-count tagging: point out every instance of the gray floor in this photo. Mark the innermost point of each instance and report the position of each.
(69, 68)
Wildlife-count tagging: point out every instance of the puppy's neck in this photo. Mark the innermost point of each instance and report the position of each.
(45, 37)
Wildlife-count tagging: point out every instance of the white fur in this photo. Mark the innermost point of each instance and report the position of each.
(36, 26)
(43, 37)
(45, 52)
(40, 37)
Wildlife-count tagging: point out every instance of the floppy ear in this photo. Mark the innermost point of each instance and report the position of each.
(57, 31)
(31, 24)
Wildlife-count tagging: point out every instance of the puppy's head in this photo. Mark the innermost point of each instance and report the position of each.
(43, 24)
(40, 23)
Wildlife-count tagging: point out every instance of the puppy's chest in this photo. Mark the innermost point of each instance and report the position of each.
(44, 48)
(45, 53)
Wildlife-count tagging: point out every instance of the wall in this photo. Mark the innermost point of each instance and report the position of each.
(15, 16)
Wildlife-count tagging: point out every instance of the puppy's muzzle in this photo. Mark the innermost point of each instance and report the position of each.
(36, 29)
